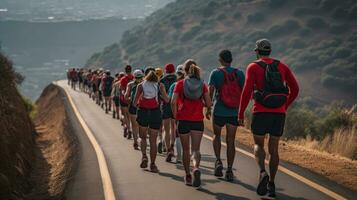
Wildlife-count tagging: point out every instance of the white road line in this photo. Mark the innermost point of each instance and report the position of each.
(308, 182)
(103, 167)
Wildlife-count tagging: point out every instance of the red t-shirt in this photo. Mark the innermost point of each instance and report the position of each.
(255, 77)
(189, 110)
(125, 80)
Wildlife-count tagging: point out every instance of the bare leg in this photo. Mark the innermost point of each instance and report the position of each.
(185, 142)
(167, 136)
(153, 147)
(259, 151)
(135, 127)
(230, 139)
(217, 140)
(143, 131)
(273, 147)
(196, 137)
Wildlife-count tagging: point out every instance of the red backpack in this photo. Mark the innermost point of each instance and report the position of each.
(231, 90)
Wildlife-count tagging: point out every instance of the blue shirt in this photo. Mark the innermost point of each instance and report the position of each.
(217, 79)
(170, 93)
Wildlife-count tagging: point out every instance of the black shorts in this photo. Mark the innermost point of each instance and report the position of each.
(123, 104)
(149, 118)
(107, 92)
(132, 109)
(184, 127)
(116, 101)
(221, 121)
(271, 123)
(166, 111)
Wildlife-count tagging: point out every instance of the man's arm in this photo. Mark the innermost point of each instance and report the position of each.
(293, 87)
(247, 91)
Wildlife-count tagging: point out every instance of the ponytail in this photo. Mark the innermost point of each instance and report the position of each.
(194, 71)
(151, 76)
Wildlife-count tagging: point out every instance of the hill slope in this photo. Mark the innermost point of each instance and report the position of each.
(317, 38)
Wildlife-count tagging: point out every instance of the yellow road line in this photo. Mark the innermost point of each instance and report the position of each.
(292, 174)
(103, 167)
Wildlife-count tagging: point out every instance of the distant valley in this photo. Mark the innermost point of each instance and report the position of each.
(42, 51)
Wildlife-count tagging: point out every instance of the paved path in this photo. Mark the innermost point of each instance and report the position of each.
(132, 183)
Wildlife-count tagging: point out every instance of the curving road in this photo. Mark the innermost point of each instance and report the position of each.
(132, 183)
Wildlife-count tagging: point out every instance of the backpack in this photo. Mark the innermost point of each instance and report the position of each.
(108, 81)
(150, 98)
(275, 92)
(168, 80)
(192, 88)
(231, 90)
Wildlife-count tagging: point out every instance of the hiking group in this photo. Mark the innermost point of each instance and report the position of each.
(171, 104)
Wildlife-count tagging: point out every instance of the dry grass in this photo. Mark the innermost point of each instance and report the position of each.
(343, 142)
(337, 168)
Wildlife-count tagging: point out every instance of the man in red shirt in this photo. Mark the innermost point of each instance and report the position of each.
(267, 118)
(124, 103)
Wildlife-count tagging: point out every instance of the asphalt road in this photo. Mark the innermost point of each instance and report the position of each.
(130, 182)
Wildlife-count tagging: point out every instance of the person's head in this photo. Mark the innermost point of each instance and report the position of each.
(169, 68)
(159, 72)
(194, 71)
(107, 73)
(187, 65)
(121, 74)
(180, 72)
(151, 76)
(148, 69)
(116, 75)
(138, 75)
(90, 71)
(262, 48)
(225, 58)
(127, 69)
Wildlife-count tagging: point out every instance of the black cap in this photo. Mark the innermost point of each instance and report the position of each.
(226, 56)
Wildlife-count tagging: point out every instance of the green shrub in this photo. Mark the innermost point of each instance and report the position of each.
(341, 53)
(276, 3)
(298, 12)
(285, 28)
(296, 43)
(328, 4)
(352, 13)
(300, 123)
(190, 34)
(316, 23)
(340, 13)
(30, 107)
(237, 15)
(221, 17)
(255, 17)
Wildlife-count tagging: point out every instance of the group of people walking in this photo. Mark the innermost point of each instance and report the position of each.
(171, 104)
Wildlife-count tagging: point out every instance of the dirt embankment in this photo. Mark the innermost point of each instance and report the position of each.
(37, 157)
(16, 137)
(57, 146)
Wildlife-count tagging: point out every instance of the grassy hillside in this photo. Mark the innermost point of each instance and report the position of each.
(317, 38)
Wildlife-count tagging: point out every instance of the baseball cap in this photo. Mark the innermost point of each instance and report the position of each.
(138, 73)
(159, 72)
(169, 68)
(180, 69)
(262, 45)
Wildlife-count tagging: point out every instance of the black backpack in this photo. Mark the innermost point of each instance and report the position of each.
(275, 92)
(168, 80)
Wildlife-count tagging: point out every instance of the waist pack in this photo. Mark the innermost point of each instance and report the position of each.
(275, 92)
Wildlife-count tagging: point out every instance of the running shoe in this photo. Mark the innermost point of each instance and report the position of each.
(229, 175)
(262, 188)
(218, 168)
(153, 168)
(144, 162)
(136, 146)
(159, 147)
(129, 135)
(125, 132)
(196, 178)
(271, 189)
(113, 114)
(188, 180)
(106, 111)
(169, 157)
